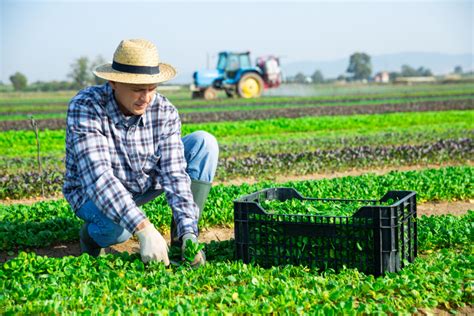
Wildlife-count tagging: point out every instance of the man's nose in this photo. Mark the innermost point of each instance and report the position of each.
(145, 96)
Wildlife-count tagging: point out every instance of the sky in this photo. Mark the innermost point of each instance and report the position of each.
(42, 38)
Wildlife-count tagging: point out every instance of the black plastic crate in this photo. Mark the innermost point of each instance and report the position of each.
(375, 240)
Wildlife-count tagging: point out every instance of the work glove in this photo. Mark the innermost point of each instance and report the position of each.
(153, 246)
(189, 247)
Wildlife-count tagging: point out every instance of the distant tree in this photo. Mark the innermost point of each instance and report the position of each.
(393, 75)
(99, 60)
(424, 72)
(80, 73)
(19, 81)
(317, 77)
(341, 78)
(408, 71)
(458, 70)
(360, 66)
(300, 78)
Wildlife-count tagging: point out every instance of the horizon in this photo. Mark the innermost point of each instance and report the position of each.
(189, 33)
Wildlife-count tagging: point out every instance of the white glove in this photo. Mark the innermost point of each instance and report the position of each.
(200, 257)
(153, 246)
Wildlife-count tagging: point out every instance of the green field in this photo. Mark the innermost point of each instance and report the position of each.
(374, 127)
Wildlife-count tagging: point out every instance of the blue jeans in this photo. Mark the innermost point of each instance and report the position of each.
(201, 152)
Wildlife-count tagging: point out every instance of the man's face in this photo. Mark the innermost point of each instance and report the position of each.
(133, 99)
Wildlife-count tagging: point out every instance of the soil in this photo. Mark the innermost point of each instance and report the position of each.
(439, 208)
(466, 310)
(345, 173)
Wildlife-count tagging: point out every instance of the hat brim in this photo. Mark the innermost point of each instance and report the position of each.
(167, 72)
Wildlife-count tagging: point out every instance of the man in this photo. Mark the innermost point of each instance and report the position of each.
(124, 148)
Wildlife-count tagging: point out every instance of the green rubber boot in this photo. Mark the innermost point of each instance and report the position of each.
(200, 190)
(88, 245)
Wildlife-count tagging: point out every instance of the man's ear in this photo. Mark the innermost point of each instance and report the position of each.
(112, 84)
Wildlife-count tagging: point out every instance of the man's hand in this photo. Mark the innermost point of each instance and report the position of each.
(192, 251)
(153, 246)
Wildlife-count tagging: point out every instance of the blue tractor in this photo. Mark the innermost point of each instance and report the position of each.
(236, 75)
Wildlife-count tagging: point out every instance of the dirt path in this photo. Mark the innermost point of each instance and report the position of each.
(131, 246)
(344, 173)
(439, 208)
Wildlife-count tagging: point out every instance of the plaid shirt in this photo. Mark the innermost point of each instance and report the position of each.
(110, 159)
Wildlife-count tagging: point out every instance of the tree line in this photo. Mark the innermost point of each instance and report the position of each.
(80, 75)
(360, 69)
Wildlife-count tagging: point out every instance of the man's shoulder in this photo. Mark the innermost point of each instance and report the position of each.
(96, 96)
(164, 106)
(163, 102)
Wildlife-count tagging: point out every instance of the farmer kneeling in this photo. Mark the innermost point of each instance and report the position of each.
(124, 148)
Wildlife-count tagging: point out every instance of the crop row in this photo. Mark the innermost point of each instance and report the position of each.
(31, 183)
(307, 142)
(122, 283)
(296, 112)
(325, 95)
(270, 145)
(14, 109)
(23, 143)
(47, 222)
(19, 123)
(247, 148)
(306, 162)
(322, 101)
(321, 151)
(219, 107)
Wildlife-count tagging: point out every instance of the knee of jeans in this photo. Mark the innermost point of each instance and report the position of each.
(109, 234)
(207, 142)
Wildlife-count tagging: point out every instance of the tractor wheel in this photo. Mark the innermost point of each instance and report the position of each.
(229, 94)
(250, 86)
(210, 93)
(197, 95)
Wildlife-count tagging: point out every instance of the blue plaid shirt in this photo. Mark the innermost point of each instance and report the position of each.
(110, 159)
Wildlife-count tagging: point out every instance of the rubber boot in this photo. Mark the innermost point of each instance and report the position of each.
(88, 245)
(200, 190)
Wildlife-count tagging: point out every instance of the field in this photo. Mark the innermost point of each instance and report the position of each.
(353, 142)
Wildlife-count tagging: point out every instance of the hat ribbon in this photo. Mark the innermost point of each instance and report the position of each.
(146, 70)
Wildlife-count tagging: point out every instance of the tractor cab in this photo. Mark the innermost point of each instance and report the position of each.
(236, 75)
(229, 64)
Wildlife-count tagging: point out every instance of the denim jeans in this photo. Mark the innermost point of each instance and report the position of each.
(201, 152)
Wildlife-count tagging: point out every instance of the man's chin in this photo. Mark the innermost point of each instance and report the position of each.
(139, 110)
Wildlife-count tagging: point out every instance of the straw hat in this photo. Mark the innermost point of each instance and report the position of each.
(136, 61)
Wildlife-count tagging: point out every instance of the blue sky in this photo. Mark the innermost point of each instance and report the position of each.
(42, 38)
